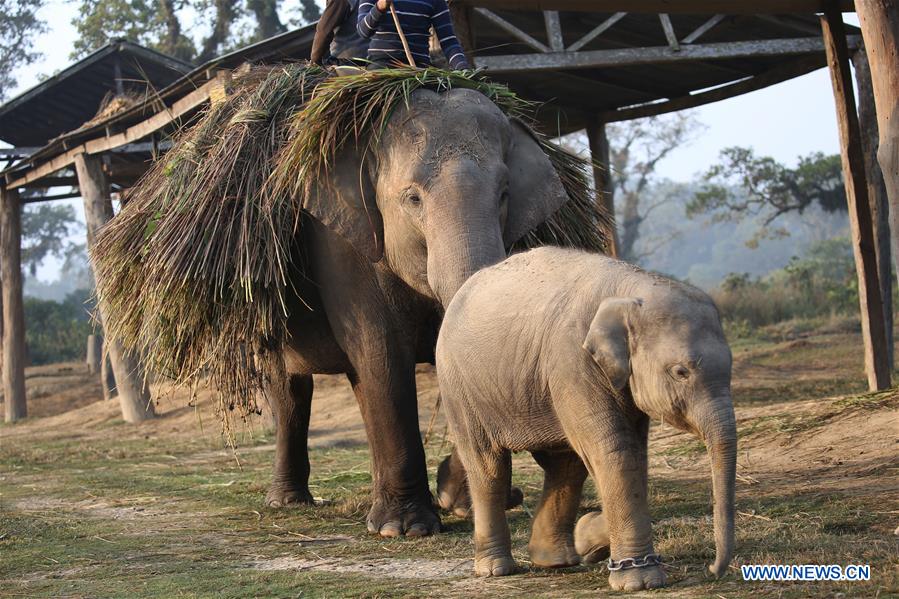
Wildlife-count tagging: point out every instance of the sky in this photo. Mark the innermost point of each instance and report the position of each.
(783, 121)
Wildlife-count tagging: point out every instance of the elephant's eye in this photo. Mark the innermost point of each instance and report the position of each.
(679, 372)
(504, 198)
(413, 199)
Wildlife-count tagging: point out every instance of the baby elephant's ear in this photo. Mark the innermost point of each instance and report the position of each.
(607, 339)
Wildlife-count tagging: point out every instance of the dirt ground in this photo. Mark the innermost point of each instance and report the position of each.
(93, 507)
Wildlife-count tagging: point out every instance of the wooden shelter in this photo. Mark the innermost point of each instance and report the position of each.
(588, 62)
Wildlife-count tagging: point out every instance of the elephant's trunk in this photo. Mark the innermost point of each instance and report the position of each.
(459, 254)
(717, 426)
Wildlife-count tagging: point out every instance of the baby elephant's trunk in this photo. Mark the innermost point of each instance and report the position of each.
(718, 427)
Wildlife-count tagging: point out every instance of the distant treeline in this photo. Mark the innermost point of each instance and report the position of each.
(57, 331)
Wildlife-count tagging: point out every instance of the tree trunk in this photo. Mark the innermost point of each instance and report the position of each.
(877, 191)
(268, 23)
(134, 396)
(602, 176)
(221, 27)
(13, 307)
(870, 302)
(879, 21)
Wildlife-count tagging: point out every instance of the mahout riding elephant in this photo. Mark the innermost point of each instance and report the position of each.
(386, 244)
(568, 355)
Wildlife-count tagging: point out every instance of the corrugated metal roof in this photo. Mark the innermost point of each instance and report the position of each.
(68, 99)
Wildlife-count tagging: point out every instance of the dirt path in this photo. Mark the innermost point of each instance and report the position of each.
(90, 506)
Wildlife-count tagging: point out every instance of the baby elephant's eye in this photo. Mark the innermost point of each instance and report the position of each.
(413, 199)
(679, 372)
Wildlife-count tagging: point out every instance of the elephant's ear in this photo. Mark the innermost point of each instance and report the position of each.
(607, 340)
(535, 190)
(345, 203)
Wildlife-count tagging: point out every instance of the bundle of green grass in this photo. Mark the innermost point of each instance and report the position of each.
(195, 271)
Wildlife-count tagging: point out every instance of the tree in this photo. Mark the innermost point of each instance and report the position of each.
(220, 24)
(45, 232)
(636, 148)
(743, 184)
(18, 26)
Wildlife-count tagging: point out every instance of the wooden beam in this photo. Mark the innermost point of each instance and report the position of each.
(14, 355)
(693, 7)
(596, 31)
(702, 29)
(656, 55)
(880, 27)
(800, 26)
(877, 191)
(602, 175)
(20, 178)
(47, 182)
(668, 28)
(553, 30)
(863, 245)
(134, 396)
(512, 29)
(776, 75)
(51, 198)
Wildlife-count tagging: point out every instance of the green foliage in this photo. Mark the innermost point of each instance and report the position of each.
(743, 184)
(227, 24)
(820, 284)
(57, 331)
(18, 26)
(100, 21)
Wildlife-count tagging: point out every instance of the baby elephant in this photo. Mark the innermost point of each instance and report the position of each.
(568, 355)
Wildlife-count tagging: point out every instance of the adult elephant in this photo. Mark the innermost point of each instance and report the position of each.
(388, 242)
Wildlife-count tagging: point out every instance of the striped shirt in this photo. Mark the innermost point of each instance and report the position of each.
(416, 17)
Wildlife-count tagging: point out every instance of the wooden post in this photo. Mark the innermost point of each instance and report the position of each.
(602, 175)
(107, 378)
(134, 396)
(863, 245)
(94, 353)
(13, 308)
(879, 21)
(877, 191)
(462, 16)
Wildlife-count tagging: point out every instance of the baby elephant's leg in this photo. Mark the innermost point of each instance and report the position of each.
(591, 538)
(613, 446)
(552, 543)
(489, 477)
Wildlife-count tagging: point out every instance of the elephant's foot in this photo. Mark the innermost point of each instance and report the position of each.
(637, 579)
(591, 537)
(452, 488)
(546, 554)
(287, 495)
(494, 565)
(413, 517)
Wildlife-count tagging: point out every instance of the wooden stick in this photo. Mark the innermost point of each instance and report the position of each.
(399, 29)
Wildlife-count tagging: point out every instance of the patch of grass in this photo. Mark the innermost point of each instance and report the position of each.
(140, 519)
(689, 448)
(116, 515)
